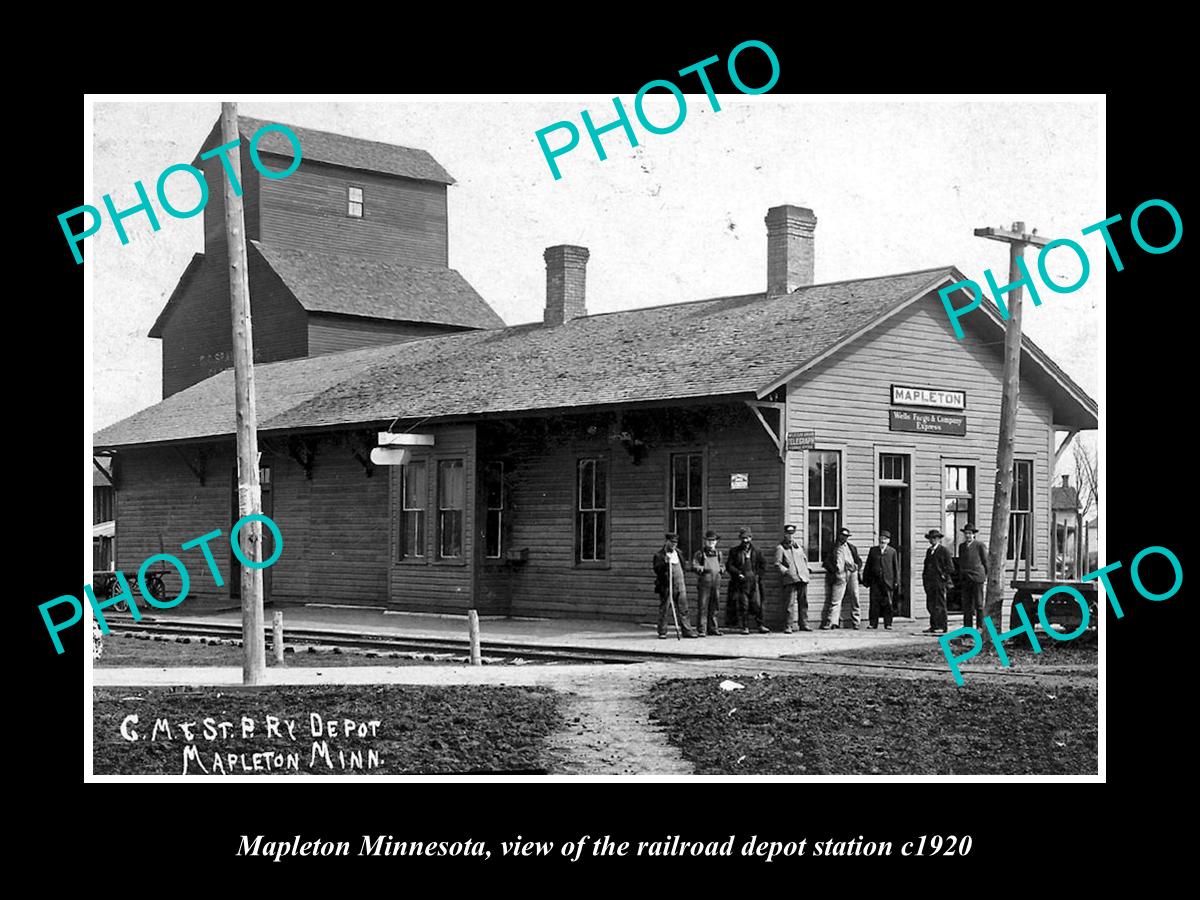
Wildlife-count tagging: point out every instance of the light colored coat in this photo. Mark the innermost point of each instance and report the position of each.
(791, 562)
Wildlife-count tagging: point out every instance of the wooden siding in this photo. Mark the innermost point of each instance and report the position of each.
(214, 210)
(403, 221)
(332, 334)
(846, 400)
(542, 462)
(429, 584)
(334, 527)
(198, 336)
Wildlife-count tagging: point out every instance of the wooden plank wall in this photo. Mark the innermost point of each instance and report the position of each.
(197, 338)
(404, 221)
(214, 210)
(542, 463)
(160, 505)
(846, 400)
(335, 527)
(332, 334)
(430, 585)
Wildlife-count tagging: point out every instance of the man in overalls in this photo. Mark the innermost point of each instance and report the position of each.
(668, 583)
(707, 563)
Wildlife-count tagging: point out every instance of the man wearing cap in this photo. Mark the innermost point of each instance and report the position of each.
(746, 567)
(842, 563)
(882, 576)
(668, 584)
(792, 564)
(936, 578)
(707, 563)
(973, 572)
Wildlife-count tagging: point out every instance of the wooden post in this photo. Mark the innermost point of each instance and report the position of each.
(473, 629)
(254, 663)
(277, 636)
(1017, 240)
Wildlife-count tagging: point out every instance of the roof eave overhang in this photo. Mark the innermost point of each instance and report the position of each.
(1084, 414)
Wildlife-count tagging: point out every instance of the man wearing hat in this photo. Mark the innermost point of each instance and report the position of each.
(707, 563)
(882, 575)
(746, 567)
(936, 578)
(792, 564)
(842, 564)
(668, 584)
(973, 572)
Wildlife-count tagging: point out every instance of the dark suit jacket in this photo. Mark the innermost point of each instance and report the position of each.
(883, 567)
(939, 567)
(830, 559)
(972, 561)
(742, 562)
(660, 569)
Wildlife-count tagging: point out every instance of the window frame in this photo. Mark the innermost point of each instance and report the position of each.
(579, 562)
(671, 524)
(959, 462)
(488, 510)
(351, 202)
(839, 518)
(1028, 513)
(436, 487)
(400, 557)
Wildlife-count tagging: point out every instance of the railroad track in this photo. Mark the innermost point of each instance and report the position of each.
(385, 644)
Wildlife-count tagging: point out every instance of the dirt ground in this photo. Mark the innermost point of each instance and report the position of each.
(126, 650)
(421, 730)
(841, 718)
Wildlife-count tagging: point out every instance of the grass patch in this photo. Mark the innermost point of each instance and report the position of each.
(1082, 651)
(421, 730)
(858, 725)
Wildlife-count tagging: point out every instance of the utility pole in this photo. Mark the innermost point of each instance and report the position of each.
(254, 661)
(1017, 241)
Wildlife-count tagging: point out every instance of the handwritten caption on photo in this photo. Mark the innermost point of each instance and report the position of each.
(289, 732)
(126, 595)
(1026, 628)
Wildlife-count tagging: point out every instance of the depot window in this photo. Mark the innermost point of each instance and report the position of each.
(452, 496)
(824, 501)
(1020, 524)
(354, 203)
(591, 511)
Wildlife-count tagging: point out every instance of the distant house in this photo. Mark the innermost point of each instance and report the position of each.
(1068, 535)
(562, 450)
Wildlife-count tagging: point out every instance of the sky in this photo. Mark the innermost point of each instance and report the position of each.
(896, 186)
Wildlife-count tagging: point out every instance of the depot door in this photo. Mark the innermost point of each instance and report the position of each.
(893, 507)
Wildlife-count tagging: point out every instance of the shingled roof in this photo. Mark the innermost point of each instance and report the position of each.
(689, 350)
(339, 150)
(359, 286)
(356, 286)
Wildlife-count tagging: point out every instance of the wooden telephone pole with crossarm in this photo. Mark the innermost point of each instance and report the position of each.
(1017, 240)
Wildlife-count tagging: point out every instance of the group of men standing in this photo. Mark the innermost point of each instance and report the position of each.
(844, 568)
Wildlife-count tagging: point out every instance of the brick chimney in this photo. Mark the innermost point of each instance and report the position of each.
(1066, 481)
(789, 248)
(566, 271)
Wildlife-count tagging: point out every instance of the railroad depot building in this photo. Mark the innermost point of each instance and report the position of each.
(557, 453)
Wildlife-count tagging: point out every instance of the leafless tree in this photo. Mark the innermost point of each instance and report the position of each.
(1086, 474)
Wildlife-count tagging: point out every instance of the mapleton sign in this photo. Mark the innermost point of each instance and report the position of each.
(927, 422)
(906, 395)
